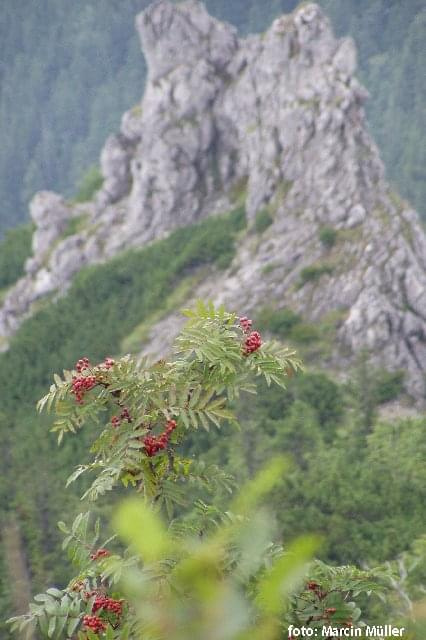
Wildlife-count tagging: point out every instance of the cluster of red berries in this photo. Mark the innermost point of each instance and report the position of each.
(82, 364)
(154, 444)
(81, 384)
(124, 415)
(252, 343)
(107, 604)
(316, 588)
(253, 340)
(94, 623)
(245, 324)
(100, 553)
(108, 363)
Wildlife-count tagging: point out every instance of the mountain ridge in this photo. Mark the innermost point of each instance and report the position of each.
(274, 120)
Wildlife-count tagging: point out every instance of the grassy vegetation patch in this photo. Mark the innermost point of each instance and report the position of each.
(271, 266)
(238, 191)
(75, 225)
(281, 192)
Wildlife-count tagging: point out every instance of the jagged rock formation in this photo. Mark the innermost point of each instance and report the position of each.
(277, 117)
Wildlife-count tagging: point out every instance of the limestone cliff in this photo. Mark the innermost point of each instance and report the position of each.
(275, 118)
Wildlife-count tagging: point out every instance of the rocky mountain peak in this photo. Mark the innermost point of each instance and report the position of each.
(276, 120)
(185, 34)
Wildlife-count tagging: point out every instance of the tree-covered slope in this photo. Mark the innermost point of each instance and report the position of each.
(69, 70)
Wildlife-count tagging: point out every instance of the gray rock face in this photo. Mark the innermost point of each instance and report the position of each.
(50, 215)
(281, 113)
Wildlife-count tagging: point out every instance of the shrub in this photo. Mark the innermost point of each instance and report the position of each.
(388, 385)
(15, 248)
(323, 395)
(304, 333)
(286, 323)
(278, 321)
(314, 273)
(262, 221)
(210, 241)
(328, 237)
(89, 185)
(270, 267)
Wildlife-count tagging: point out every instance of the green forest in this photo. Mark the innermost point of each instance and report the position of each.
(69, 71)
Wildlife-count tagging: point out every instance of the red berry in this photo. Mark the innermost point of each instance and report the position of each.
(100, 553)
(171, 425)
(125, 415)
(108, 363)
